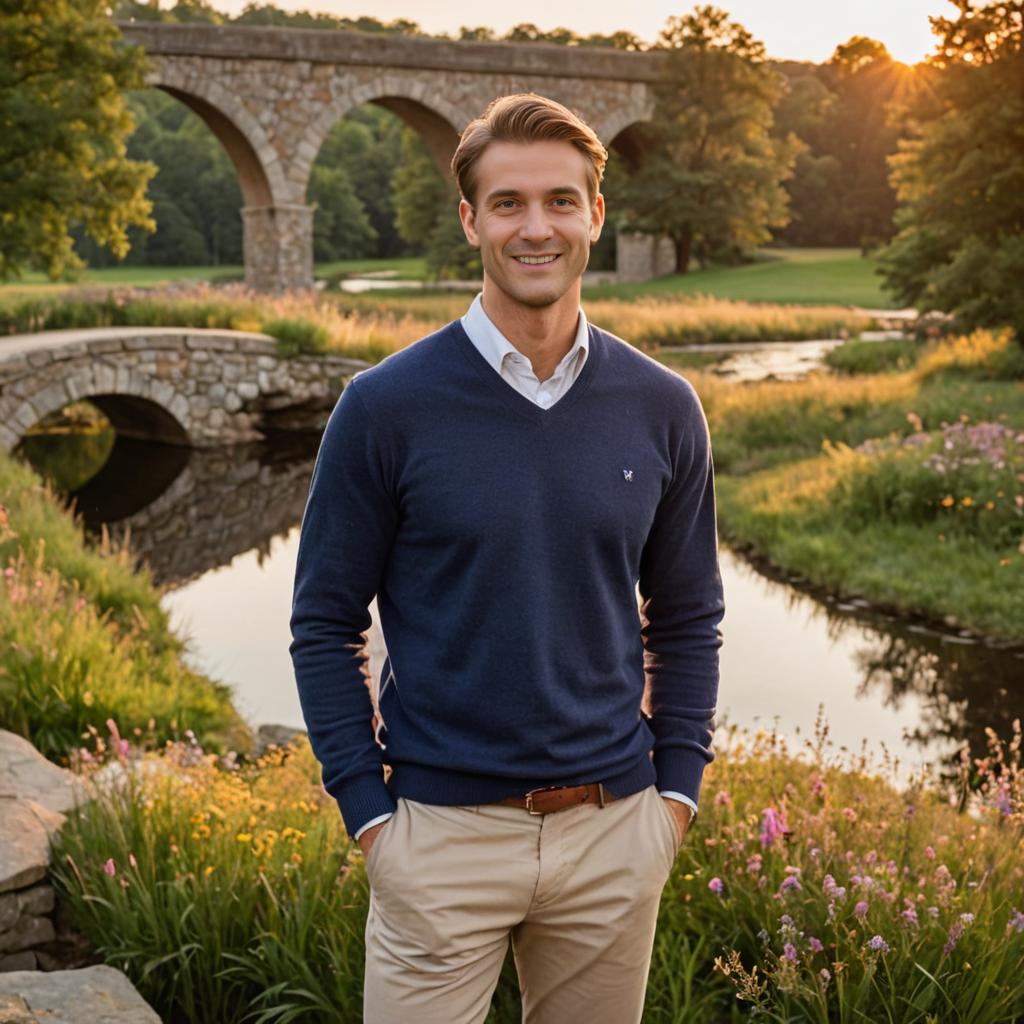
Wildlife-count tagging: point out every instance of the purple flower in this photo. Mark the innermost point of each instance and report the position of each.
(953, 938)
(790, 882)
(861, 909)
(1016, 922)
(878, 943)
(909, 916)
(715, 885)
(790, 951)
(773, 826)
(815, 944)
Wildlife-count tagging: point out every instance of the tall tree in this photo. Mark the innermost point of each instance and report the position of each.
(63, 126)
(960, 179)
(712, 173)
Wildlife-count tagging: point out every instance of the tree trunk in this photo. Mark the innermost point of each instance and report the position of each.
(684, 243)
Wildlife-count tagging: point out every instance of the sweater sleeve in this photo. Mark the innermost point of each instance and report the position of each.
(681, 608)
(347, 529)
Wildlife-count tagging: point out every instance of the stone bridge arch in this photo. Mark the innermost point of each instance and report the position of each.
(272, 95)
(437, 121)
(177, 385)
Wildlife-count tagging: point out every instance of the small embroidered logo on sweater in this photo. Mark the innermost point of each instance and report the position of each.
(628, 474)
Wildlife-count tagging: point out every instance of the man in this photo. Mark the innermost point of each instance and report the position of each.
(502, 487)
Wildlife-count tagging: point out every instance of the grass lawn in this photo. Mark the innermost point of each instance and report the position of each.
(411, 268)
(801, 276)
(804, 276)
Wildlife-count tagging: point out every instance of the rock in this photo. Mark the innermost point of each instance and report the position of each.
(25, 773)
(270, 735)
(28, 932)
(14, 1010)
(98, 995)
(25, 831)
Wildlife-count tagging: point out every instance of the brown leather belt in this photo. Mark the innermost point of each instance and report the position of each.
(558, 798)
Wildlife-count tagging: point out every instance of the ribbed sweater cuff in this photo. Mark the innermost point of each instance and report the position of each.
(362, 798)
(680, 770)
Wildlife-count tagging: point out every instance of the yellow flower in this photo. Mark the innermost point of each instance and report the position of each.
(208, 870)
(990, 505)
(948, 500)
(967, 502)
(244, 837)
(87, 698)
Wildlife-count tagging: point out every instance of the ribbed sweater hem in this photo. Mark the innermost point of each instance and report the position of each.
(443, 786)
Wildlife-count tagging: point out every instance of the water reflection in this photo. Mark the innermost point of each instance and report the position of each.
(219, 529)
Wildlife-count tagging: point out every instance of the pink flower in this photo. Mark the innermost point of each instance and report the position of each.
(722, 799)
(861, 909)
(789, 950)
(716, 885)
(120, 747)
(815, 944)
(131, 860)
(773, 826)
(109, 868)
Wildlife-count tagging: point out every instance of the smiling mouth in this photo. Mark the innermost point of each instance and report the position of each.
(533, 261)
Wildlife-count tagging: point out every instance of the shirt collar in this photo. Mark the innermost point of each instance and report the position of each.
(494, 346)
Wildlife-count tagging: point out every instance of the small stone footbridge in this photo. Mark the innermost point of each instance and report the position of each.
(178, 385)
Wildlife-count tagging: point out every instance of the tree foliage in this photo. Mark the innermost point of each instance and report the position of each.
(960, 177)
(63, 126)
(712, 172)
(426, 212)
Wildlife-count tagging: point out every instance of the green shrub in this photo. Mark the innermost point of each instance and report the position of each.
(297, 337)
(873, 356)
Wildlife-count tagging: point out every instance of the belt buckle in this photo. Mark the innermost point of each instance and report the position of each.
(529, 798)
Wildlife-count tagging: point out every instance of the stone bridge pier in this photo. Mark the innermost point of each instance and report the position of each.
(272, 96)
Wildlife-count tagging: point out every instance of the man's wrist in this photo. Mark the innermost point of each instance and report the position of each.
(368, 825)
(682, 798)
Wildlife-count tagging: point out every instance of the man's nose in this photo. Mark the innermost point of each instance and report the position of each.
(536, 223)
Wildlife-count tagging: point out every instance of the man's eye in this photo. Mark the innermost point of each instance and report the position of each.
(563, 200)
(506, 204)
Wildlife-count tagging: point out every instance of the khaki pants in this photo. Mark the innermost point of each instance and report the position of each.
(577, 891)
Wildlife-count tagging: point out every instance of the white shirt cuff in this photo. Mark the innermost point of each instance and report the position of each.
(672, 795)
(372, 822)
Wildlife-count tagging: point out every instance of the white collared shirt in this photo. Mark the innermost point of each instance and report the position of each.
(515, 369)
(505, 359)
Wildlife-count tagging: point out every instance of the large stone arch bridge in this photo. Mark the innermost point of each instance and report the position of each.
(272, 95)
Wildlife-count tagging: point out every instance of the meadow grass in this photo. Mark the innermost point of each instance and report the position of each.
(83, 637)
(373, 326)
(813, 887)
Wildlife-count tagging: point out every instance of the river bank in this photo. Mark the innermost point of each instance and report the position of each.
(905, 489)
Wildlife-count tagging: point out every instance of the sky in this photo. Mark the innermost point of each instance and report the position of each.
(790, 29)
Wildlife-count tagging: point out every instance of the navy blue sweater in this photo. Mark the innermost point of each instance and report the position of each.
(504, 543)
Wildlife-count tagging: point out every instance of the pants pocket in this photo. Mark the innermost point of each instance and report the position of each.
(676, 832)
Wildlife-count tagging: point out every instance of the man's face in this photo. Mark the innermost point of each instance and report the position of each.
(533, 220)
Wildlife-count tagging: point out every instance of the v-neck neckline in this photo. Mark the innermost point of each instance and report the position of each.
(519, 402)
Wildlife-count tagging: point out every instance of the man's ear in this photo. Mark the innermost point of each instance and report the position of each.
(468, 217)
(596, 218)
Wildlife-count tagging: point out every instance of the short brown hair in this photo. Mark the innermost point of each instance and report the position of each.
(525, 117)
